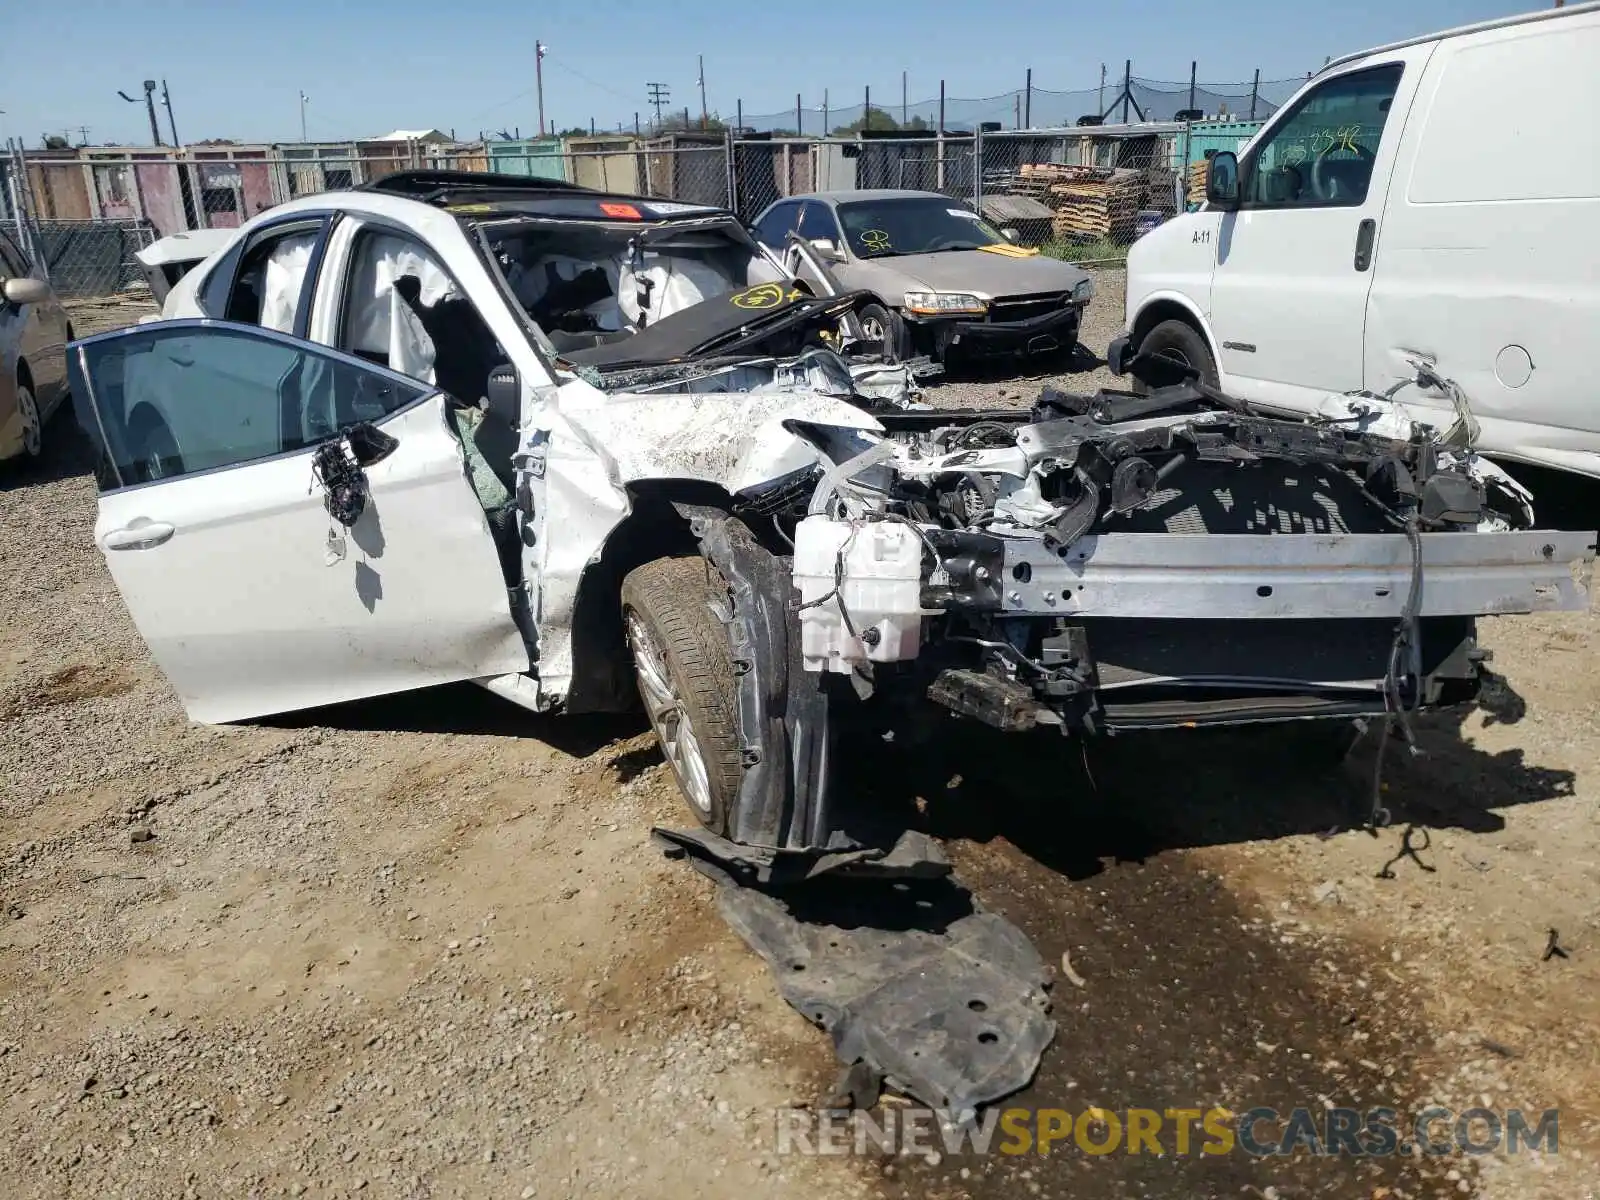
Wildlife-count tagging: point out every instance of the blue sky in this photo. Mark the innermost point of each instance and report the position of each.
(236, 71)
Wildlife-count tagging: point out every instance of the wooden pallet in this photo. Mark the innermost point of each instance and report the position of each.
(1093, 203)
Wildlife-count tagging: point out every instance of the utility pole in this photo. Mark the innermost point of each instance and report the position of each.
(660, 94)
(1027, 104)
(902, 98)
(701, 58)
(83, 135)
(539, 50)
(166, 99)
(150, 107)
(304, 100)
(1101, 106)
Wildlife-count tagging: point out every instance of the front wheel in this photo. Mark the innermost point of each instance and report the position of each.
(885, 330)
(32, 426)
(1183, 344)
(686, 681)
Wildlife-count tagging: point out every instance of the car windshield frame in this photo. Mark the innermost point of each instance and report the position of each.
(922, 226)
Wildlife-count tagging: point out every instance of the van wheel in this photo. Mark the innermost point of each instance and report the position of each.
(685, 676)
(1181, 342)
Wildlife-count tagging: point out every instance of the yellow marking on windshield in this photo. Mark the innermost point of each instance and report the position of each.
(874, 239)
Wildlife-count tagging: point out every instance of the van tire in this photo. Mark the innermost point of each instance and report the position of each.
(681, 658)
(1179, 340)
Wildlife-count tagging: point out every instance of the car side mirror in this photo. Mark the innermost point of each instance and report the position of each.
(826, 248)
(1009, 234)
(1222, 181)
(22, 291)
(503, 395)
(369, 444)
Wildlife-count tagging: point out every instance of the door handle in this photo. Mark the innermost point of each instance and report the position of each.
(1365, 232)
(144, 536)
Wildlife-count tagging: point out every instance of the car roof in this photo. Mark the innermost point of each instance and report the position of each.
(487, 194)
(1548, 14)
(841, 197)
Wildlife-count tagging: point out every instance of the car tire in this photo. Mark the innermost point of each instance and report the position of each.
(686, 682)
(32, 424)
(1176, 340)
(886, 328)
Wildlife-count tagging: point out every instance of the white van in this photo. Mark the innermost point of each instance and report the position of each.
(1437, 202)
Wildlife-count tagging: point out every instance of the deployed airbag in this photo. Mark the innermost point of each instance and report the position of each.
(665, 284)
(284, 279)
(381, 322)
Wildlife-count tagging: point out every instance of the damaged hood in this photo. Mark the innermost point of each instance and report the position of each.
(733, 323)
(981, 271)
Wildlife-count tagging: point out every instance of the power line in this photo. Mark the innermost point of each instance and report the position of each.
(660, 96)
(594, 83)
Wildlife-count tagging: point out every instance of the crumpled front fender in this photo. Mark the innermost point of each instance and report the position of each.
(584, 448)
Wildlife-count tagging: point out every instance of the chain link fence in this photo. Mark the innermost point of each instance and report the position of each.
(1079, 193)
(1118, 99)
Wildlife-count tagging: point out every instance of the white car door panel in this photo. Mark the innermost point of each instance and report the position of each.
(1289, 293)
(250, 598)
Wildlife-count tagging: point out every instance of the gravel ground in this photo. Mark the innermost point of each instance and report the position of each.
(422, 947)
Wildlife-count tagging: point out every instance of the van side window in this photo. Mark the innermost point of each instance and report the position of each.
(1321, 155)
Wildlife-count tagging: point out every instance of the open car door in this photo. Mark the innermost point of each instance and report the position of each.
(214, 525)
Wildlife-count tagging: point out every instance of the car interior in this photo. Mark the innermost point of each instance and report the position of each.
(587, 285)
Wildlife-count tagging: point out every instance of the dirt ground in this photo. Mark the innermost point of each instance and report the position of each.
(423, 947)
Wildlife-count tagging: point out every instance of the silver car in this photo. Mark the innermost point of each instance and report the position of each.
(34, 333)
(957, 283)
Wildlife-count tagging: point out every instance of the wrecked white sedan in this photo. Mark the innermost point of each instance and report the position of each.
(736, 536)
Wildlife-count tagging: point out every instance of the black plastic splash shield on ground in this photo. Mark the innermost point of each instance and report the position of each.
(945, 1001)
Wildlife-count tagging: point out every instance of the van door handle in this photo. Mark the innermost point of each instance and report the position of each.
(142, 536)
(1365, 232)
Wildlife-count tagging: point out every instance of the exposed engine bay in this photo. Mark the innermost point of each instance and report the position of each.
(1043, 568)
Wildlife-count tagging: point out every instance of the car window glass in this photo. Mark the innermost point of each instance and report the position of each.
(12, 263)
(776, 226)
(171, 401)
(912, 225)
(404, 311)
(270, 282)
(1322, 154)
(816, 221)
